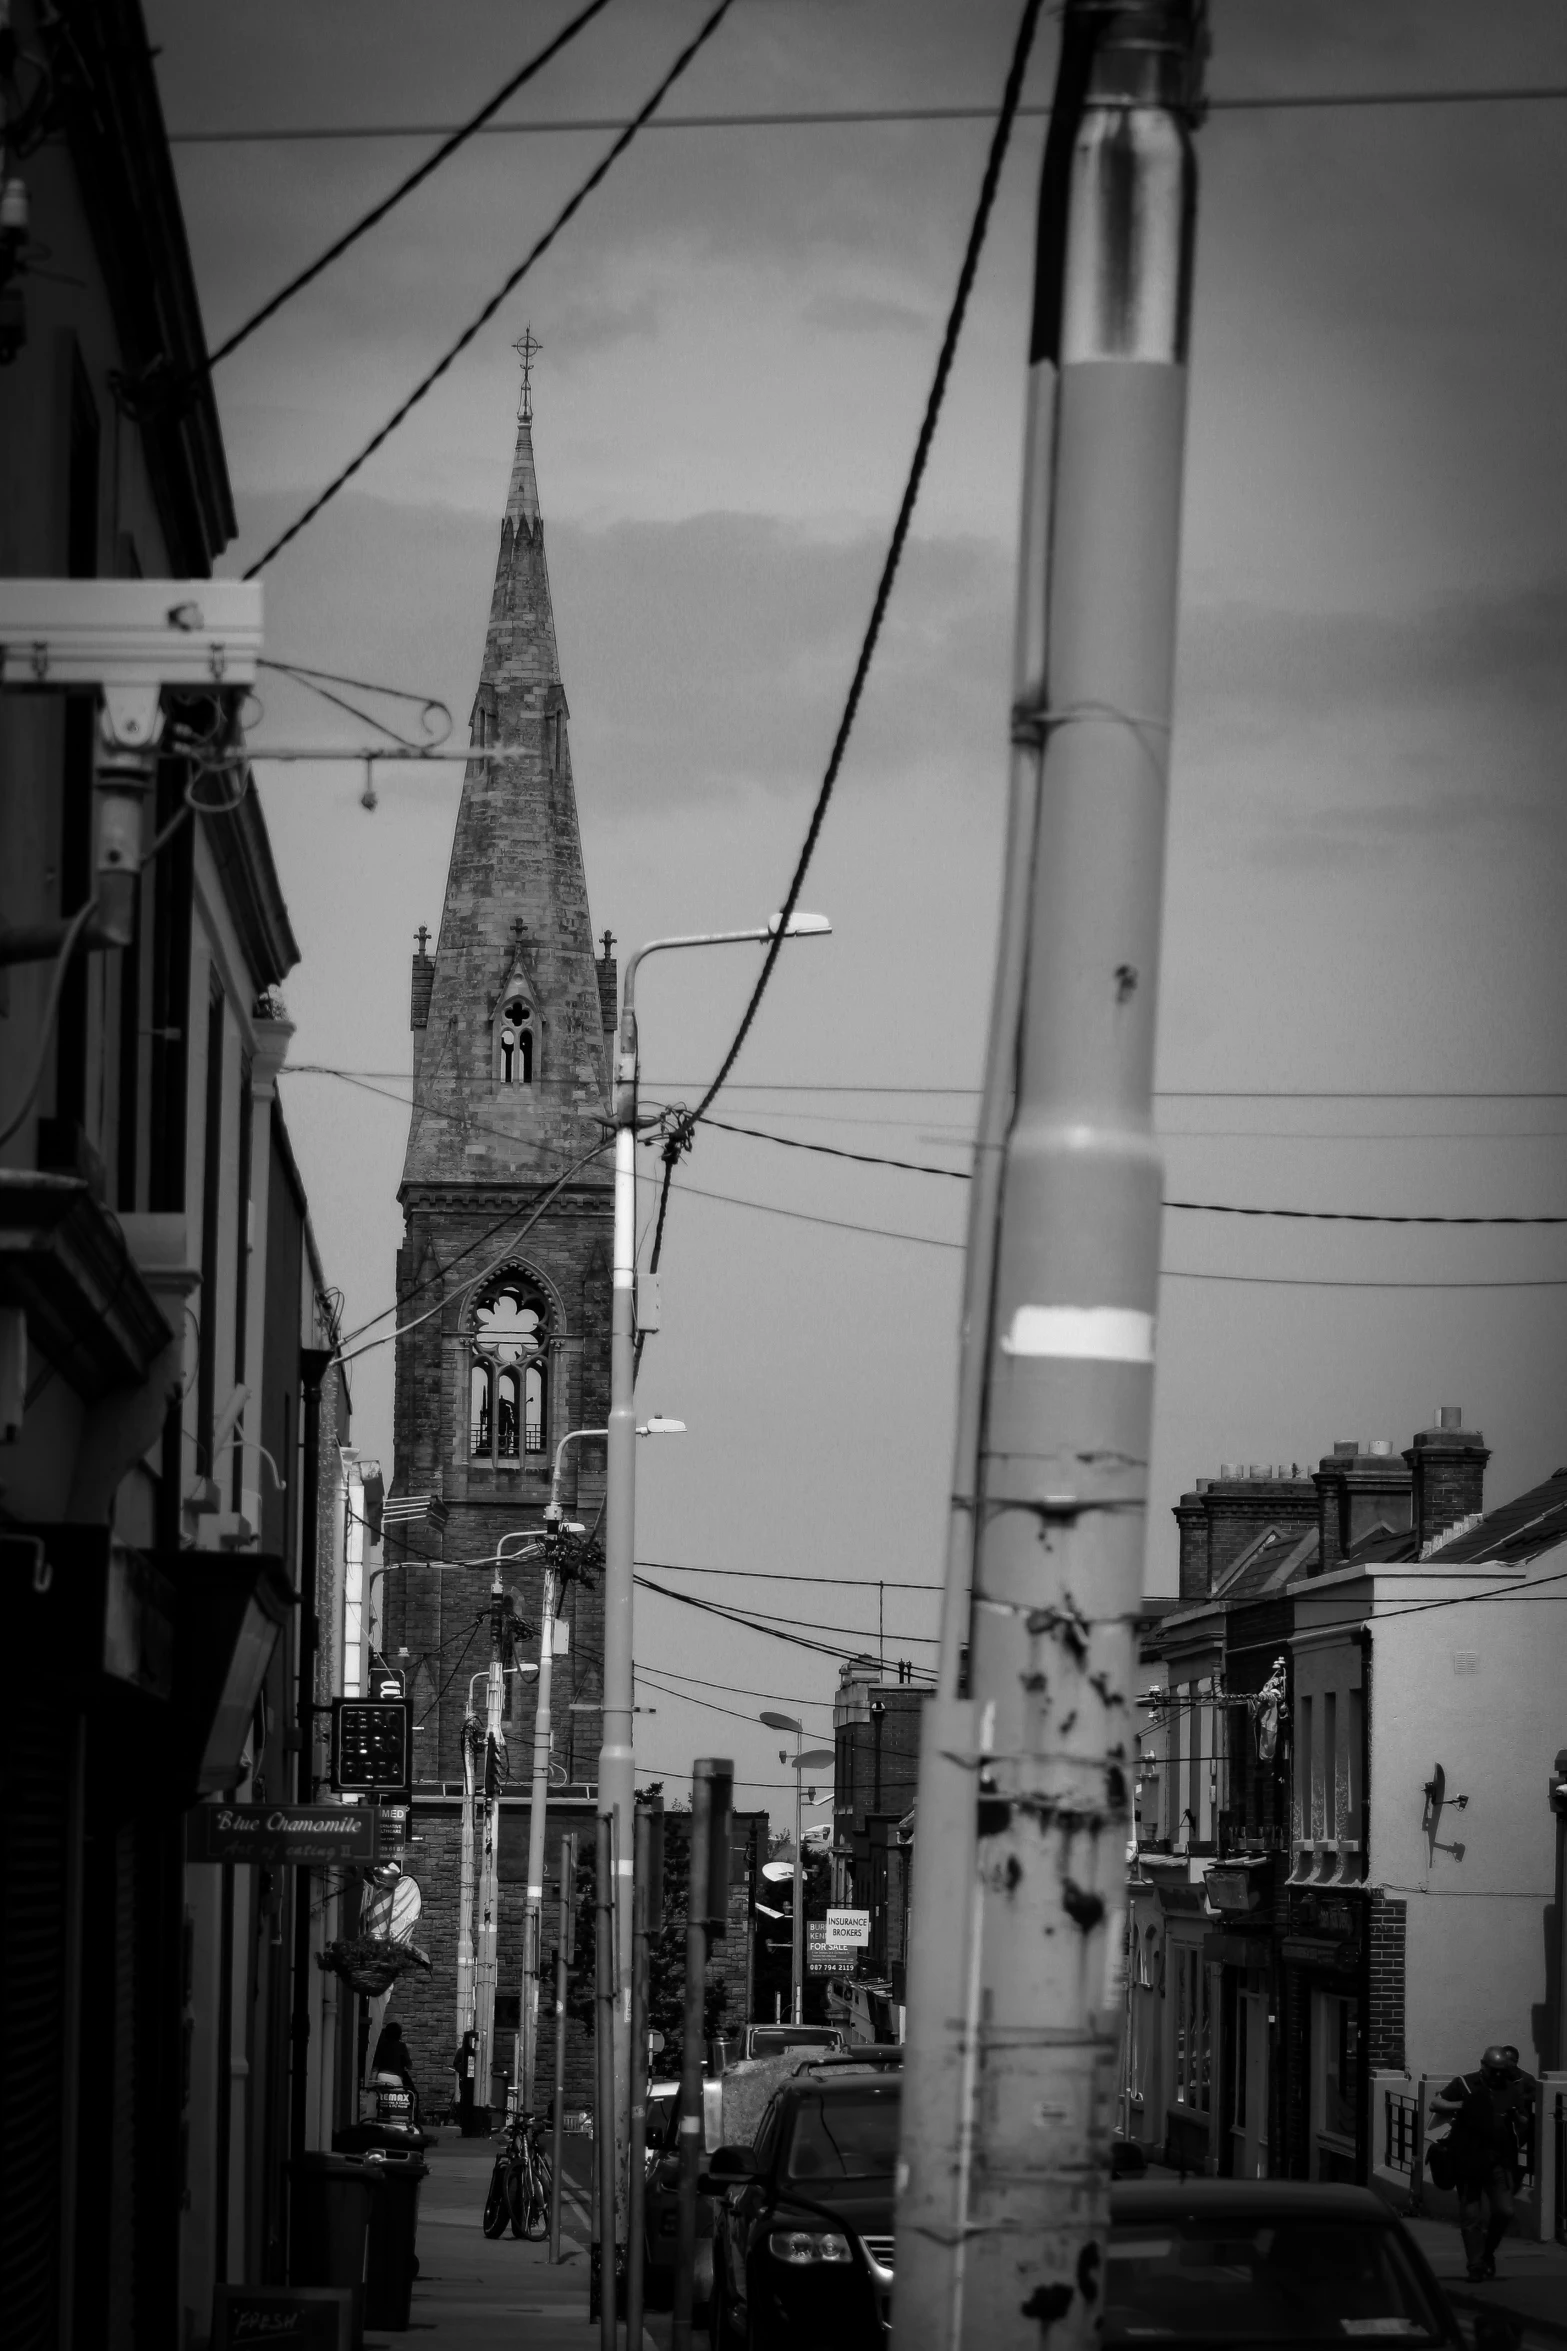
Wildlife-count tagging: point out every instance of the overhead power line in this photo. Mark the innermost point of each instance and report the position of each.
(1011, 97)
(703, 34)
(775, 1575)
(957, 1175)
(405, 187)
(855, 117)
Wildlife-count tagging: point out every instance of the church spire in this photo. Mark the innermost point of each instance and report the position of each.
(510, 1059)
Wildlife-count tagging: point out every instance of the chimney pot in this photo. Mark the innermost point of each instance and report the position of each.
(1380, 1448)
(1449, 1416)
(1346, 1445)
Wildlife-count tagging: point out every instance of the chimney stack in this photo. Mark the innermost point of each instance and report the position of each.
(1191, 1517)
(1447, 1468)
(1358, 1489)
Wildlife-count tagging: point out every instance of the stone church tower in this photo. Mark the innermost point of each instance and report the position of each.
(504, 1301)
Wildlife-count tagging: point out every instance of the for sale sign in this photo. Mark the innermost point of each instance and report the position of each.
(848, 1930)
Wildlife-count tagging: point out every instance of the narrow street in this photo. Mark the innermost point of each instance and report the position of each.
(477, 2295)
(472, 2292)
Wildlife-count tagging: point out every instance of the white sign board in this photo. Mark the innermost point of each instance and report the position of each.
(848, 1930)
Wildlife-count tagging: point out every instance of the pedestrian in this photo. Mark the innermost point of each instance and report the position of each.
(465, 2064)
(1492, 2112)
(393, 2056)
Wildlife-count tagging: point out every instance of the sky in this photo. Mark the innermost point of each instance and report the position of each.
(1367, 850)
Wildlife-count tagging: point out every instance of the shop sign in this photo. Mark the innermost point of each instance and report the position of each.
(315, 2318)
(847, 1930)
(283, 1836)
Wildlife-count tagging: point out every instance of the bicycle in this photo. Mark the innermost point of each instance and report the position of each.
(520, 2182)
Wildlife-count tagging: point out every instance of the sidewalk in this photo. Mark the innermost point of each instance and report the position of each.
(1530, 2282)
(472, 2292)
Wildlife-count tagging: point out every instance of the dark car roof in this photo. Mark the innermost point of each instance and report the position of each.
(1245, 2200)
(842, 2082)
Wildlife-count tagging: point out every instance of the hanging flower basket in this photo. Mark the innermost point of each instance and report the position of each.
(371, 1964)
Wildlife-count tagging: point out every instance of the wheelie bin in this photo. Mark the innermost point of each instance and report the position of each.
(330, 2224)
(393, 2263)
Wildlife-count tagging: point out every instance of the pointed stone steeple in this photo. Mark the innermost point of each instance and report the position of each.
(504, 1285)
(510, 1062)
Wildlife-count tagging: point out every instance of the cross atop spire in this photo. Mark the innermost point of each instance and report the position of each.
(527, 348)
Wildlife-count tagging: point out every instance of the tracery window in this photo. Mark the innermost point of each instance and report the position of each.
(508, 1374)
(514, 1042)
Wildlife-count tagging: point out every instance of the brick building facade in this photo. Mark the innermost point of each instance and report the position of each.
(503, 1279)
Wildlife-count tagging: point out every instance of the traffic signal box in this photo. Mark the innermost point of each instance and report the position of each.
(372, 1745)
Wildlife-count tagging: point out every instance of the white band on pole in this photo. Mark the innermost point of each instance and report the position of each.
(1110, 1334)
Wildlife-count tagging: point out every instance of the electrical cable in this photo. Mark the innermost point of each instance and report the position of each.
(1301, 101)
(405, 187)
(1195, 1207)
(756, 1624)
(1171, 1273)
(51, 1013)
(441, 1273)
(784, 1576)
(513, 279)
(949, 343)
(452, 1676)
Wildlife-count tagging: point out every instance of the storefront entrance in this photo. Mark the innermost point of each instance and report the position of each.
(1249, 2089)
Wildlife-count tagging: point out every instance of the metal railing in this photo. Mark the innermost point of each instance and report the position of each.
(1402, 2133)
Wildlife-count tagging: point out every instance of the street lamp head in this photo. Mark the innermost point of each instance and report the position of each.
(781, 1722)
(800, 926)
(656, 1425)
(815, 1759)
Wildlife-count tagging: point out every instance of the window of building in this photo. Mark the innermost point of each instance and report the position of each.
(1192, 2033)
(508, 1376)
(515, 1042)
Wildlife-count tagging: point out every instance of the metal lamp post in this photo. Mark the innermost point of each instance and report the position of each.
(616, 1771)
(803, 1759)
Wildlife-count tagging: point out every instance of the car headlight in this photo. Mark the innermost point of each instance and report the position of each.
(803, 2247)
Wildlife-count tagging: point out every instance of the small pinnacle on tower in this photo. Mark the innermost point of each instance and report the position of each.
(527, 348)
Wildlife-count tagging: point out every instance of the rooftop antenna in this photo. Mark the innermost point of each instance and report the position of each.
(527, 348)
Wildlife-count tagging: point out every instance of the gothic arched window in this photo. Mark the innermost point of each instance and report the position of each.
(514, 1042)
(508, 1379)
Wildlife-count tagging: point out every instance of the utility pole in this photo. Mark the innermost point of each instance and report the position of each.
(467, 1877)
(489, 1891)
(707, 1904)
(1024, 1798)
(647, 1895)
(605, 2001)
(533, 1914)
(563, 1950)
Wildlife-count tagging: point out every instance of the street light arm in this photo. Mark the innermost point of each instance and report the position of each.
(571, 1437)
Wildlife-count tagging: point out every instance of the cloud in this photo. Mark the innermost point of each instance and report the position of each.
(1341, 738)
(700, 656)
(845, 312)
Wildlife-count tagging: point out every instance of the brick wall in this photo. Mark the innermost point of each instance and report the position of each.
(1386, 2024)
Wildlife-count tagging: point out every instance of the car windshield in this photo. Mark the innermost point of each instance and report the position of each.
(845, 2138)
(778, 2039)
(1218, 2280)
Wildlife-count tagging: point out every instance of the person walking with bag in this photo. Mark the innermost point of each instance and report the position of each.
(1492, 2112)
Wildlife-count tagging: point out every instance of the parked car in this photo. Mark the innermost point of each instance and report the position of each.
(803, 2246)
(776, 2040)
(802, 2237)
(1258, 2262)
(661, 2206)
